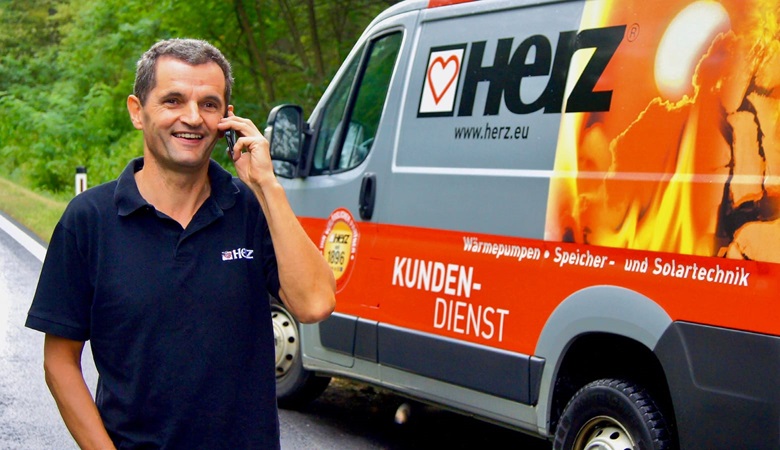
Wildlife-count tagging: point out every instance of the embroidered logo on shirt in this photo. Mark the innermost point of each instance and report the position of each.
(239, 253)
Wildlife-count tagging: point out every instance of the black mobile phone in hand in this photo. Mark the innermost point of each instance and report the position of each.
(230, 136)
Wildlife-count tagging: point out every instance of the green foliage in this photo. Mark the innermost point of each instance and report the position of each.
(67, 67)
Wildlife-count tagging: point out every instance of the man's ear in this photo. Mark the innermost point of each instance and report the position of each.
(134, 108)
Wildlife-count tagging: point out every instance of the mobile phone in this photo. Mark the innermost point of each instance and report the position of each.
(230, 136)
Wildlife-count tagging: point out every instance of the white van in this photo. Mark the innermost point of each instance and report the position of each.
(559, 216)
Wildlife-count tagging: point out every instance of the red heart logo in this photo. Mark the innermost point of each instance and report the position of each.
(442, 84)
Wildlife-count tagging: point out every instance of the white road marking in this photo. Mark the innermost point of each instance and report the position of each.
(33, 246)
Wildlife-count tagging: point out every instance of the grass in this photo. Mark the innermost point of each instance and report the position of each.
(39, 213)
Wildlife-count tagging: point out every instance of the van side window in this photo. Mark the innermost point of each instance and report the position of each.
(358, 100)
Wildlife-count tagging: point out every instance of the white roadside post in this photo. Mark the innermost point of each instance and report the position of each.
(81, 179)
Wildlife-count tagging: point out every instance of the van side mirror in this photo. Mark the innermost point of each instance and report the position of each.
(286, 135)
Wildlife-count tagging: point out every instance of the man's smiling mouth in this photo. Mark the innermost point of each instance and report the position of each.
(188, 135)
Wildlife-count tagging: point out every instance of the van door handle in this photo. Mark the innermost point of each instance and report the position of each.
(367, 196)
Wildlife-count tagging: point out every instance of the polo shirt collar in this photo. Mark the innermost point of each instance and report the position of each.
(128, 198)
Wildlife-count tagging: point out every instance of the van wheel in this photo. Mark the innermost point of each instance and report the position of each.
(612, 415)
(295, 386)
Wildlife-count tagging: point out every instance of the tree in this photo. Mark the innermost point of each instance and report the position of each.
(68, 66)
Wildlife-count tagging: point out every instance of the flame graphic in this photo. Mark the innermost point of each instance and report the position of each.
(694, 170)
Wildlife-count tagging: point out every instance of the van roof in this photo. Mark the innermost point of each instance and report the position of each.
(413, 5)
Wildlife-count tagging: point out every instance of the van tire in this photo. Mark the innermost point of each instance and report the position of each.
(295, 386)
(625, 410)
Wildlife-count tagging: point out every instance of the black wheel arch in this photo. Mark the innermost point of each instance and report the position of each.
(594, 356)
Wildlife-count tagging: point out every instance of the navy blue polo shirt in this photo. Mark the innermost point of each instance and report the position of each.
(178, 319)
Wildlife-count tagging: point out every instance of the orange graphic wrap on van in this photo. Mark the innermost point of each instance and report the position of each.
(499, 291)
(438, 3)
(688, 158)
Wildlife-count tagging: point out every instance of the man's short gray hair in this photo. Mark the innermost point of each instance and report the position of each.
(191, 51)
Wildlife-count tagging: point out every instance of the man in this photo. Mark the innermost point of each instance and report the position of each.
(167, 271)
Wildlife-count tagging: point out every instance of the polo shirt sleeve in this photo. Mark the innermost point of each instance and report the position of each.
(61, 305)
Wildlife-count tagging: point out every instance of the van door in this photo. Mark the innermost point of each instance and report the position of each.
(342, 196)
(470, 182)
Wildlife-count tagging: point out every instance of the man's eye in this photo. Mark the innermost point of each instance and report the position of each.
(171, 101)
(210, 105)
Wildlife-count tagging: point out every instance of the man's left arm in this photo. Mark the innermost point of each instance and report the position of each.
(307, 283)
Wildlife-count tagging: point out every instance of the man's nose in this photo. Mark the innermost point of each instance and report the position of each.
(191, 114)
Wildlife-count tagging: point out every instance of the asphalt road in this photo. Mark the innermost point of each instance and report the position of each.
(347, 416)
(28, 415)
(354, 416)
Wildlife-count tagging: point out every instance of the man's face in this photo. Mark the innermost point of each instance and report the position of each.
(181, 113)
